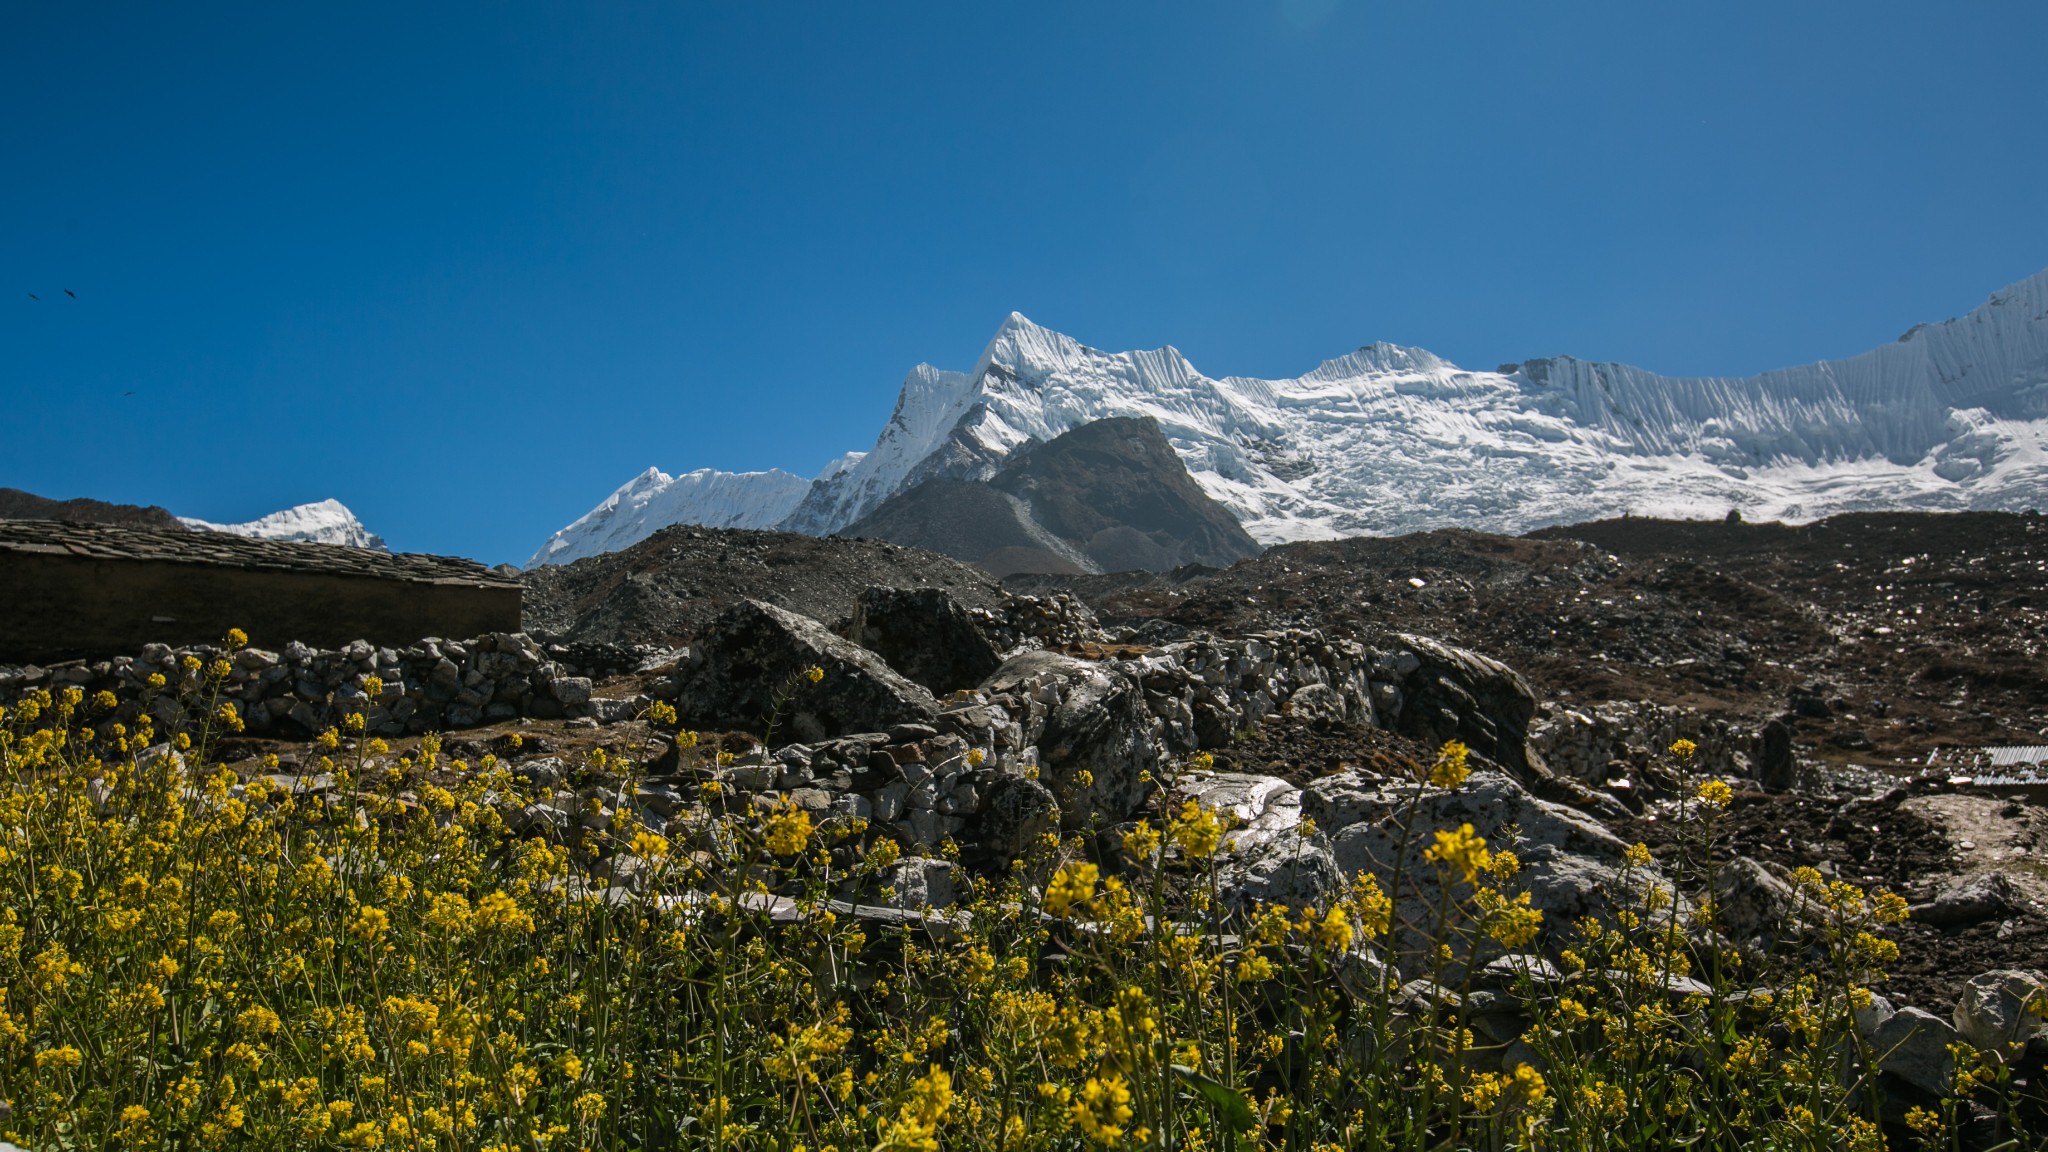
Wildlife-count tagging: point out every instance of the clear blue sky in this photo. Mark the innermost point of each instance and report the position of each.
(467, 268)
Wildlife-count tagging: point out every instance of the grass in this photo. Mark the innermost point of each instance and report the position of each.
(194, 960)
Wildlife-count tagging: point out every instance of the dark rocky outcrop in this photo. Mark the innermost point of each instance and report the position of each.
(1108, 496)
(749, 669)
(925, 635)
(1448, 693)
(669, 587)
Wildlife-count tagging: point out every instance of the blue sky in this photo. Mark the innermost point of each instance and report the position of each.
(467, 268)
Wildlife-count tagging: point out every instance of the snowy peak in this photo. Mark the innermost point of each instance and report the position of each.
(323, 522)
(653, 500)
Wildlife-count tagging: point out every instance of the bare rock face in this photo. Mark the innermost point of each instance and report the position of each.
(1452, 694)
(1264, 858)
(1097, 740)
(753, 652)
(1109, 496)
(925, 635)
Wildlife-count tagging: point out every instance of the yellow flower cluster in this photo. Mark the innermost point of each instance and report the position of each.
(193, 957)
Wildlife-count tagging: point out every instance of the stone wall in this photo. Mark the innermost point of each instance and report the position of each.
(298, 690)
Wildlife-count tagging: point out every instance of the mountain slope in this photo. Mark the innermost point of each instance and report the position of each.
(1108, 496)
(18, 505)
(324, 522)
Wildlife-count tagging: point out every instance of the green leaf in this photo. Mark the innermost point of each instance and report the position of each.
(1236, 1111)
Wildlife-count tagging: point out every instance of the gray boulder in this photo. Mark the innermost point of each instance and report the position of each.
(2001, 1010)
(1912, 1044)
(1985, 896)
(754, 651)
(1015, 812)
(1085, 717)
(1776, 768)
(925, 635)
(1264, 858)
(921, 882)
(1753, 906)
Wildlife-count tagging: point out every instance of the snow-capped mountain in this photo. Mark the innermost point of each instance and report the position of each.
(1391, 439)
(654, 500)
(324, 522)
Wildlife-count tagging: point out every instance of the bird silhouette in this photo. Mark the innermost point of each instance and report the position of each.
(127, 393)
(33, 296)
(70, 293)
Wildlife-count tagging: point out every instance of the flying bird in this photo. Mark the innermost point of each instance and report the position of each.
(127, 393)
(70, 293)
(33, 296)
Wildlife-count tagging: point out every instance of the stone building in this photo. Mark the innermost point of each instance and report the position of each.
(69, 590)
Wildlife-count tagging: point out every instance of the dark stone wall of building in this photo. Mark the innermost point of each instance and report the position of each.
(57, 607)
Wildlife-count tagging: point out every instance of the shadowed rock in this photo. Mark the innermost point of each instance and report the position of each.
(926, 636)
(755, 652)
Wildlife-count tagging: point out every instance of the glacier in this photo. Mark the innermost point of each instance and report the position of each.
(321, 522)
(1388, 439)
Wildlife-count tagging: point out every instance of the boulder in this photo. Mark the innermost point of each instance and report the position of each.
(2001, 1010)
(1985, 896)
(1912, 1044)
(925, 635)
(1571, 866)
(1097, 742)
(1316, 703)
(1015, 812)
(1451, 694)
(1775, 767)
(1264, 858)
(1753, 906)
(921, 882)
(747, 672)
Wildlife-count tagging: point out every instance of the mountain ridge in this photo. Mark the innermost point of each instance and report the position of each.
(1389, 439)
(320, 522)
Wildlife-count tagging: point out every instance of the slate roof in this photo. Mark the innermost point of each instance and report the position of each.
(222, 549)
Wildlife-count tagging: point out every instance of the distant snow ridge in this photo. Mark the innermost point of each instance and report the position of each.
(325, 522)
(654, 500)
(1390, 439)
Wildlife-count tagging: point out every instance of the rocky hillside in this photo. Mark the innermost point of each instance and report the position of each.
(668, 586)
(1106, 497)
(1878, 637)
(16, 504)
